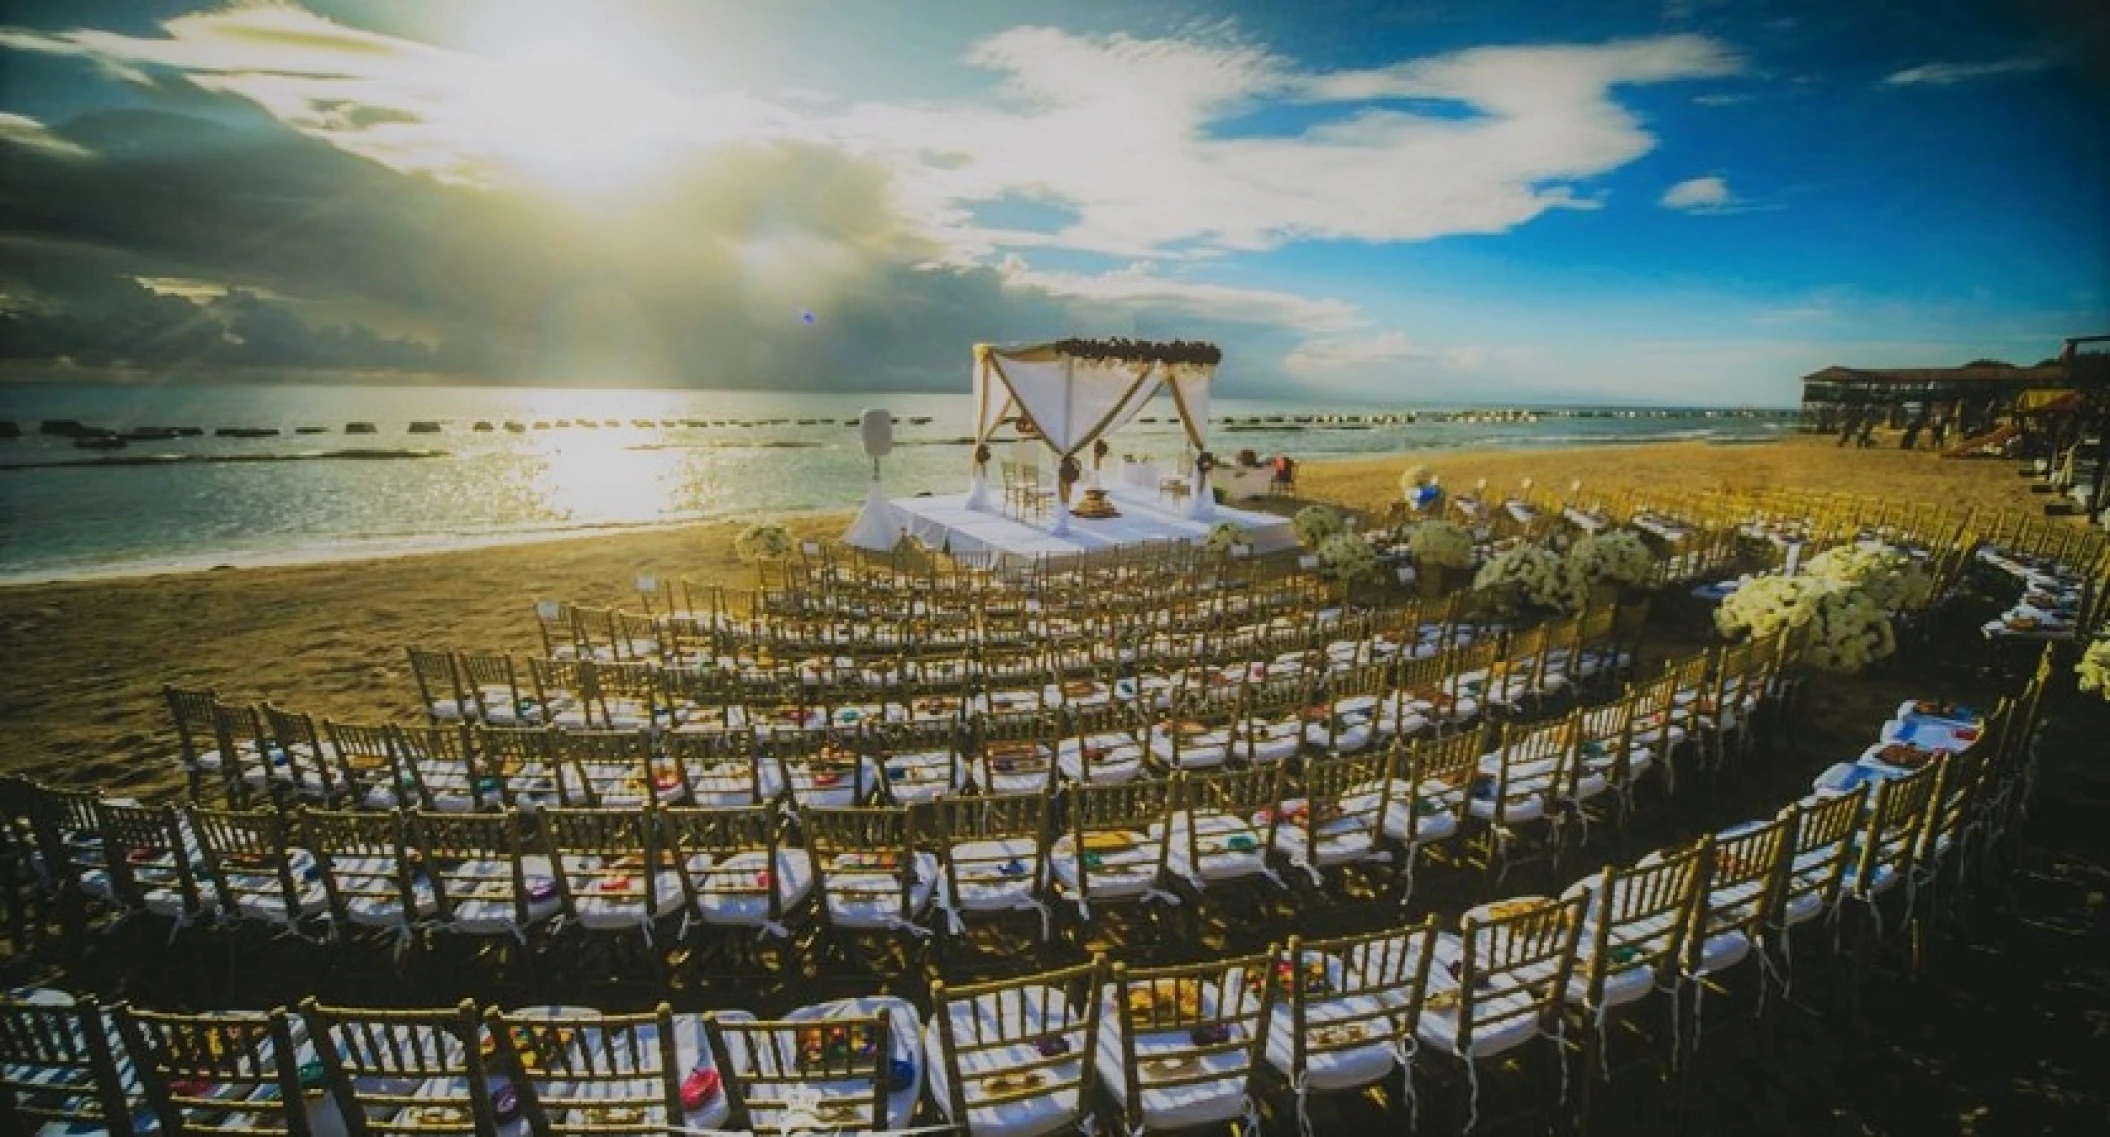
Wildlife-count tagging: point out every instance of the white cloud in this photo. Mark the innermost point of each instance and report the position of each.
(1140, 284)
(1946, 74)
(1323, 355)
(1123, 130)
(28, 133)
(1698, 195)
(1125, 134)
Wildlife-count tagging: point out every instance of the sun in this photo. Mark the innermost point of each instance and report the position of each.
(569, 105)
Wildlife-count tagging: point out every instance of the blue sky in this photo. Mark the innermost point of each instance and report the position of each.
(1688, 201)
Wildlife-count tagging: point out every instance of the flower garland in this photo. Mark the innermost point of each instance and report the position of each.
(2094, 667)
(1225, 536)
(1890, 576)
(982, 455)
(1347, 557)
(1441, 543)
(1204, 462)
(762, 541)
(1534, 576)
(1314, 523)
(1142, 351)
(1617, 557)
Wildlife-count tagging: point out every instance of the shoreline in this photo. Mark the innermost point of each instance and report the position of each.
(356, 549)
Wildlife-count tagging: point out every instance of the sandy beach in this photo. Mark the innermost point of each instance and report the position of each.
(87, 659)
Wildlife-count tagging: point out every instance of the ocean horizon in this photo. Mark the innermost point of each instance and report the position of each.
(298, 482)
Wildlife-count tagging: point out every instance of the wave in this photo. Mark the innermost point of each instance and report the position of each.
(353, 455)
(780, 444)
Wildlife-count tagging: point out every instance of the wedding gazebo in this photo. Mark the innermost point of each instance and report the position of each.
(1071, 393)
(1068, 395)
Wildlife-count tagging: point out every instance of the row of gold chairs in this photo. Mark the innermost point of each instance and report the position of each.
(1154, 1049)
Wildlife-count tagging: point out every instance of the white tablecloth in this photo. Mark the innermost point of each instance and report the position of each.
(1143, 474)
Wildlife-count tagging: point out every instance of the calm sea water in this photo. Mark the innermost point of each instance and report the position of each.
(210, 500)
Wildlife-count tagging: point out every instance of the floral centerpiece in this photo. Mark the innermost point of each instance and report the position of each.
(1225, 536)
(1612, 562)
(1531, 576)
(1314, 523)
(1347, 557)
(1848, 629)
(1891, 577)
(763, 541)
(2094, 667)
(1438, 546)
(1441, 544)
(1764, 607)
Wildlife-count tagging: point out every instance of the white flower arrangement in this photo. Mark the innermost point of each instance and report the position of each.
(1412, 478)
(1532, 575)
(1764, 607)
(1315, 523)
(1225, 536)
(1615, 557)
(1347, 556)
(2094, 667)
(1441, 543)
(1848, 629)
(1890, 576)
(762, 541)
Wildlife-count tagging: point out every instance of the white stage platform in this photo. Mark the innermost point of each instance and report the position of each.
(946, 522)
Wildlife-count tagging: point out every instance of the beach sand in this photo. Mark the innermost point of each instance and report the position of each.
(86, 660)
(1992, 1037)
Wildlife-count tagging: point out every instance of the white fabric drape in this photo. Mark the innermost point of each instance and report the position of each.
(878, 526)
(1074, 402)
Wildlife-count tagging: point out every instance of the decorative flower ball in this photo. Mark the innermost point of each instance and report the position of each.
(1225, 536)
(1441, 543)
(1615, 557)
(762, 541)
(1314, 523)
(1533, 576)
(2094, 667)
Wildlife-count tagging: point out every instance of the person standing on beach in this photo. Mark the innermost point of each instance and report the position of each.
(1911, 440)
(1846, 432)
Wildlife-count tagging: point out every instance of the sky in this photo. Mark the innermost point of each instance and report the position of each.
(1689, 202)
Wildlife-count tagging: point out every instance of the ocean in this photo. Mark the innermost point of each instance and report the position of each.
(314, 491)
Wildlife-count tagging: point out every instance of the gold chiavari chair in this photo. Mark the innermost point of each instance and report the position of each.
(369, 872)
(1113, 852)
(197, 738)
(1017, 1055)
(366, 758)
(1346, 1010)
(1824, 830)
(1180, 1046)
(1636, 922)
(738, 872)
(1498, 984)
(257, 872)
(873, 882)
(1426, 809)
(807, 1075)
(59, 1073)
(221, 1072)
(408, 1073)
